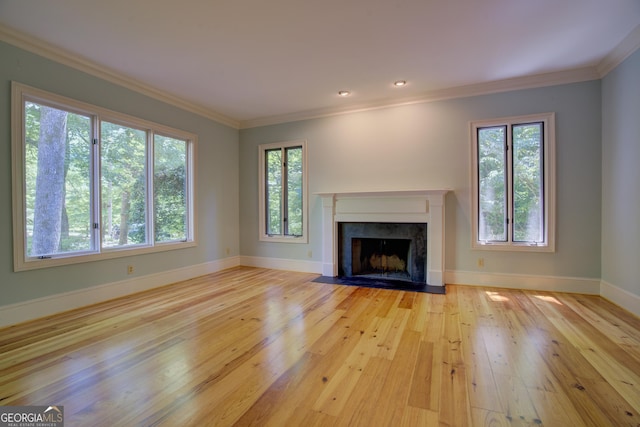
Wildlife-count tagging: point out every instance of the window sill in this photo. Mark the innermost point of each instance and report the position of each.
(284, 239)
(512, 247)
(111, 253)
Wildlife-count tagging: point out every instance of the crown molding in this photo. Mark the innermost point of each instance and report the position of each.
(629, 45)
(622, 51)
(505, 85)
(54, 53)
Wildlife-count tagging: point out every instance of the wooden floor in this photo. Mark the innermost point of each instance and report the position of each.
(250, 346)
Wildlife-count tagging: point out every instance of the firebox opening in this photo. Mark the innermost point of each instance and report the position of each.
(388, 258)
(379, 249)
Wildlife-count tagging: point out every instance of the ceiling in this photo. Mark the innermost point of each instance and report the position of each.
(251, 62)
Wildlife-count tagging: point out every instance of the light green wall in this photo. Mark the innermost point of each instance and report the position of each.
(409, 147)
(217, 180)
(621, 176)
(426, 146)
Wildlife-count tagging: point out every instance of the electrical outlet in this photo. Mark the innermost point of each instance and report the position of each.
(481, 262)
(310, 254)
(129, 269)
(227, 250)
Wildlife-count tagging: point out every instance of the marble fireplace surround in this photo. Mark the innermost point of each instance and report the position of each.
(403, 206)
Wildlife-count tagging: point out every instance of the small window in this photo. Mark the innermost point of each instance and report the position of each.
(90, 183)
(283, 195)
(513, 183)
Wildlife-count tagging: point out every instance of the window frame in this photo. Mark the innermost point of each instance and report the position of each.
(22, 261)
(262, 188)
(548, 177)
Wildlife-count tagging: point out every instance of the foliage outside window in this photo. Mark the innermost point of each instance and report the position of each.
(513, 183)
(283, 195)
(91, 183)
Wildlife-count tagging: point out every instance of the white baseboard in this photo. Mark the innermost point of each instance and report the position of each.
(522, 281)
(46, 306)
(282, 264)
(620, 297)
(514, 281)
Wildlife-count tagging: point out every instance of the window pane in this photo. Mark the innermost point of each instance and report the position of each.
(492, 184)
(122, 156)
(273, 159)
(528, 223)
(169, 189)
(294, 191)
(57, 181)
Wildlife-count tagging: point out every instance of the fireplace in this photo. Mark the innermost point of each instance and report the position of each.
(395, 209)
(382, 250)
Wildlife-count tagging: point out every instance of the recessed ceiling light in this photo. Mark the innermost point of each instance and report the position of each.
(399, 83)
(344, 93)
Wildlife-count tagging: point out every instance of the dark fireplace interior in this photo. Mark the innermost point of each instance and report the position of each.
(380, 257)
(396, 251)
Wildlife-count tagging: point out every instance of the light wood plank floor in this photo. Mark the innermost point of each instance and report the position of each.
(250, 346)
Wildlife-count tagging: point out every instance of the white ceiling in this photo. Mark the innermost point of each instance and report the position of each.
(248, 62)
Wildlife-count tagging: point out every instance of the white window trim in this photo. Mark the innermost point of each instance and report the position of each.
(20, 93)
(263, 236)
(549, 184)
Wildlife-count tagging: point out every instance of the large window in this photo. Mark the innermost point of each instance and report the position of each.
(91, 183)
(283, 195)
(513, 183)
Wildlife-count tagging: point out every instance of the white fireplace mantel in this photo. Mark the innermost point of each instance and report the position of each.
(409, 206)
